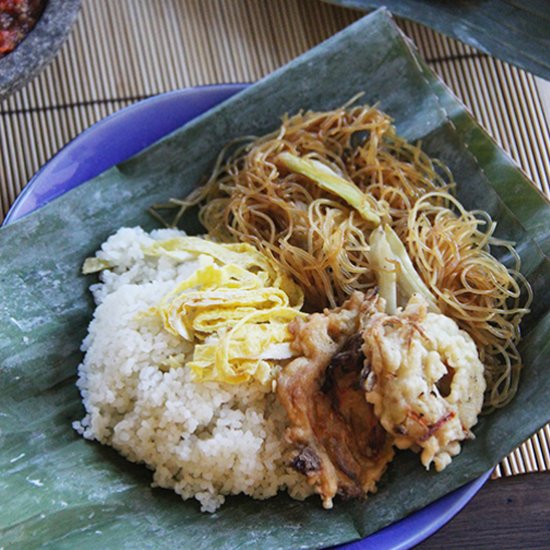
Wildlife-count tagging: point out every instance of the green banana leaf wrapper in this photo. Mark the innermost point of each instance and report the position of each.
(60, 491)
(516, 31)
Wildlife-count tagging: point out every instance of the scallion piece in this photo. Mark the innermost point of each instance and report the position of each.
(330, 181)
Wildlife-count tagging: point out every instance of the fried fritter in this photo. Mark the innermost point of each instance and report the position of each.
(339, 443)
(426, 381)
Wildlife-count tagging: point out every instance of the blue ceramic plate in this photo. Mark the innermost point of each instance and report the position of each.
(125, 133)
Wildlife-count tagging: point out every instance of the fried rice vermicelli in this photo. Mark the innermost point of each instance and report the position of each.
(322, 241)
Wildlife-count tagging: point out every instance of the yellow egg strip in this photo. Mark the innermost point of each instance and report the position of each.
(238, 254)
(246, 338)
(234, 312)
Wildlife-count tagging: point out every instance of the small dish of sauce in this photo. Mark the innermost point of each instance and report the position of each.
(17, 18)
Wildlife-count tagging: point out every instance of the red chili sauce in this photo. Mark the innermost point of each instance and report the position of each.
(17, 18)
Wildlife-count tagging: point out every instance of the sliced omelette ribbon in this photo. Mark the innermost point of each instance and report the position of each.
(235, 308)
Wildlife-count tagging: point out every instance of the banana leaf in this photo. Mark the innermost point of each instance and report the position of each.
(516, 31)
(60, 491)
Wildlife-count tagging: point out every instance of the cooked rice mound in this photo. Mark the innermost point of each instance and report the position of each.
(202, 439)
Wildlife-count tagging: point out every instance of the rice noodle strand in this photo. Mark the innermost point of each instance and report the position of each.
(322, 242)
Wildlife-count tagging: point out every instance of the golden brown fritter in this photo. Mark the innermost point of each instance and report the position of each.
(339, 443)
(426, 381)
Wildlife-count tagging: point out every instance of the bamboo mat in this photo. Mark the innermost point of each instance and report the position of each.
(125, 50)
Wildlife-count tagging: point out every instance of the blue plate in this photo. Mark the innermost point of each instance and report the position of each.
(125, 133)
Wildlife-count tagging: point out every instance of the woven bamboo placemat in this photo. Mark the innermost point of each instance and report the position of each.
(125, 50)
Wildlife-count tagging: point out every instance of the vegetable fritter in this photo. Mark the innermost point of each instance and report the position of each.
(338, 442)
(426, 380)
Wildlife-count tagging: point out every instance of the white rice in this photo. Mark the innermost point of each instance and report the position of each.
(203, 440)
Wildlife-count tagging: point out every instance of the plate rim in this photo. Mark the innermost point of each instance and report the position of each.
(431, 517)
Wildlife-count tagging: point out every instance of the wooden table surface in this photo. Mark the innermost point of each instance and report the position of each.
(507, 513)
